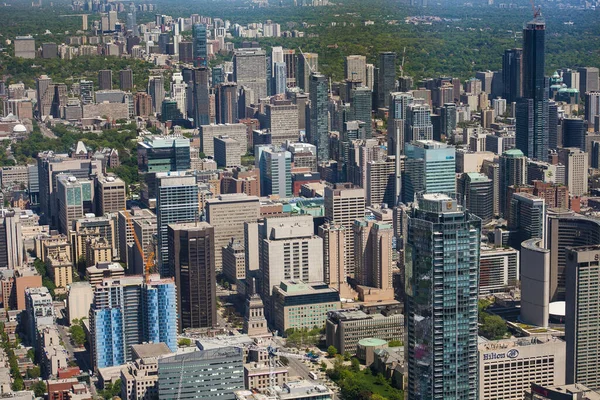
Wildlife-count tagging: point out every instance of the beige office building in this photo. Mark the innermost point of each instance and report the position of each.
(334, 255)
(355, 68)
(576, 169)
(343, 204)
(227, 213)
(373, 254)
(507, 368)
(111, 194)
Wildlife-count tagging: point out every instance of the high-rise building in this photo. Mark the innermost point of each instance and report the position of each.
(576, 170)
(442, 300)
(176, 202)
(163, 154)
(228, 153)
(275, 171)
(334, 255)
(373, 254)
(532, 109)
(227, 213)
(279, 78)
(86, 91)
(318, 132)
(126, 79)
(11, 239)
(307, 63)
(128, 311)
(179, 93)
(535, 276)
(475, 192)
(526, 219)
(361, 100)
(192, 263)
(200, 49)
(418, 122)
(105, 79)
(72, 195)
(588, 79)
(226, 101)
(429, 167)
(289, 251)
(343, 204)
(282, 120)
(513, 172)
(381, 181)
(111, 194)
(39, 311)
(200, 104)
(156, 89)
(573, 133)
(592, 106)
(250, 70)
(24, 47)
(582, 309)
(386, 79)
(355, 69)
(498, 269)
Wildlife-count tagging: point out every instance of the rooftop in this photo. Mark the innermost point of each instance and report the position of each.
(150, 350)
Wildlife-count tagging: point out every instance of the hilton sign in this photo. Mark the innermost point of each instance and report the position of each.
(513, 353)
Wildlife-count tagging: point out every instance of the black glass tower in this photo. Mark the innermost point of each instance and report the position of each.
(532, 108)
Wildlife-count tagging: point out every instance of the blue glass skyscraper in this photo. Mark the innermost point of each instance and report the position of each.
(442, 263)
(279, 78)
(200, 51)
(159, 306)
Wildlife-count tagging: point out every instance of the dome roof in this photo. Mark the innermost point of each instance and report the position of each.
(19, 128)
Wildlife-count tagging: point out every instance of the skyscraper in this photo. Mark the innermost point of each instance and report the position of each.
(275, 171)
(386, 82)
(582, 310)
(355, 69)
(512, 74)
(192, 263)
(279, 78)
(307, 63)
(532, 136)
(526, 219)
(442, 294)
(227, 103)
(418, 122)
(176, 202)
(250, 70)
(86, 91)
(576, 170)
(429, 167)
(573, 133)
(513, 172)
(105, 79)
(156, 89)
(373, 254)
(126, 79)
(318, 133)
(343, 204)
(200, 52)
(588, 79)
(200, 96)
(361, 100)
(475, 192)
(592, 106)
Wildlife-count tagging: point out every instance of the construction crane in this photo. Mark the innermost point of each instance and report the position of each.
(402, 65)
(536, 12)
(148, 261)
(306, 61)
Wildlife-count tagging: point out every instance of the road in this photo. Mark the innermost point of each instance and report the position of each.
(79, 355)
(46, 131)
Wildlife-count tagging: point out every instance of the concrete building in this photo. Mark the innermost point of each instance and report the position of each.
(125, 230)
(298, 305)
(527, 218)
(227, 152)
(192, 263)
(12, 250)
(576, 170)
(80, 297)
(476, 192)
(233, 131)
(74, 196)
(111, 194)
(250, 71)
(355, 69)
(227, 214)
(213, 373)
(345, 328)
(381, 182)
(275, 171)
(498, 269)
(535, 283)
(139, 379)
(257, 376)
(289, 250)
(234, 261)
(39, 311)
(292, 390)
(373, 256)
(343, 204)
(163, 154)
(25, 47)
(334, 256)
(282, 120)
(507, 368)
(513, 172)
(561, 392)
(582, 310)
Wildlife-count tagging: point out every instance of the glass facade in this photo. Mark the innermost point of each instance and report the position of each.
(318, 132)
(442, 293)
(200, 47)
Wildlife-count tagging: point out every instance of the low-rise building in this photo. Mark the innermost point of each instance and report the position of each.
(139, 380)
(300, 305)
(575, 391)
(296, 390)
(507, 368)
(345, 328)
(257, 376)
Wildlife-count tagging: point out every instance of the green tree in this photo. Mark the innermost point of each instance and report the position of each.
(77, 334)
(33, 373)
(395, 343)
(355, 365)
(39, 388)
(347, 356)
(331, 351)
(184, 342)
(492, 327)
